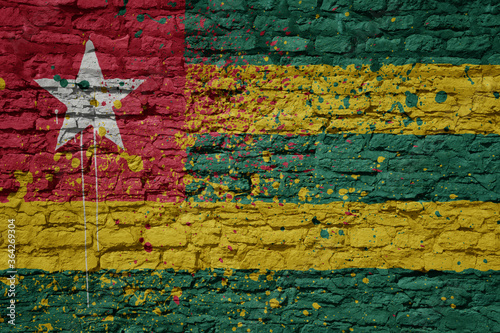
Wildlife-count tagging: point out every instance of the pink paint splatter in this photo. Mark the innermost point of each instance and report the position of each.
(176, 299)
(148, 247)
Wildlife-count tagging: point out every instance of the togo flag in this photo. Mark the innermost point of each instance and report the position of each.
(232, 165)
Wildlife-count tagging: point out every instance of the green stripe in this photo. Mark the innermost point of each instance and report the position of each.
(393, 300)
(422, 168)
(375, 32)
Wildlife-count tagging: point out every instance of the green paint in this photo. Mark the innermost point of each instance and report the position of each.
(467, 74)
(84, 84)
(57, 78)
(324, 234)
(52, 67)
(496, 94)
(63, 83)
(138, 34)
(424, 168)
(441, 97)
(401, 32)
(140, 17)
(438, 214)
(123, 10)
(411, 99)
(394, 300)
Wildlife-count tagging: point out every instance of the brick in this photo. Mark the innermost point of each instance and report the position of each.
(395, 23)
(290, 44)
(303, 5)
(382, 45)
(469, 44)
(368, 5)
(423, 43)
(488, 20)
(455, 22)
(320, 27)
(338, 44)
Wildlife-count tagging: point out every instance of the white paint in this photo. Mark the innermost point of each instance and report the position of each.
(84, 220)
(96, 194)
(89, 104)
(80, 113)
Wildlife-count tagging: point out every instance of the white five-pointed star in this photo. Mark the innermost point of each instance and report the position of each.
(89, 99)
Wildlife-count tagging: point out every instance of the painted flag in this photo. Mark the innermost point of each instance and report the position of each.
(268, 165)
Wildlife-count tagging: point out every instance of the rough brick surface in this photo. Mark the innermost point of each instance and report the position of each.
(286, 165)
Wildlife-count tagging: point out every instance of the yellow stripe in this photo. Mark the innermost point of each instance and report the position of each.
(249, 99)
(410, 235)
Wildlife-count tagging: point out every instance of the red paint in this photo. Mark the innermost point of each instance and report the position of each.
(57, 40)
(148, 247)
(176, 299)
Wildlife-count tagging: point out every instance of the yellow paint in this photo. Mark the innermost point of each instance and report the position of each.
(316, 306)
(305, 312)
(407, 235)
(2, 84)
(109, 318)
(380, 159)
(134, 162)
(94, 102)
(467, 109)
(47, 326)
(102, 131)
(274, 303)
(365, 280)
(75, 163)
(117, 104)
(176, 291)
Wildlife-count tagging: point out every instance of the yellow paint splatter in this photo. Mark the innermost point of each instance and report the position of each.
(365, 280)
(380, 159)
(2, 84)
(303, 193)
(75, 163)
(316, 306)
(101, 131)
(134, 162)
(117, 104)
(94, 102)
(274, 303)
(453, 196)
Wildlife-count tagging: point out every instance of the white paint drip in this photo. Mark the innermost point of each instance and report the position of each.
(84, 219)
(96, 193)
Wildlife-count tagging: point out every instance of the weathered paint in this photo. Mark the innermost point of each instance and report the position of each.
(343, 167)
(194, 236)
(405, 99)
(357, 300)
